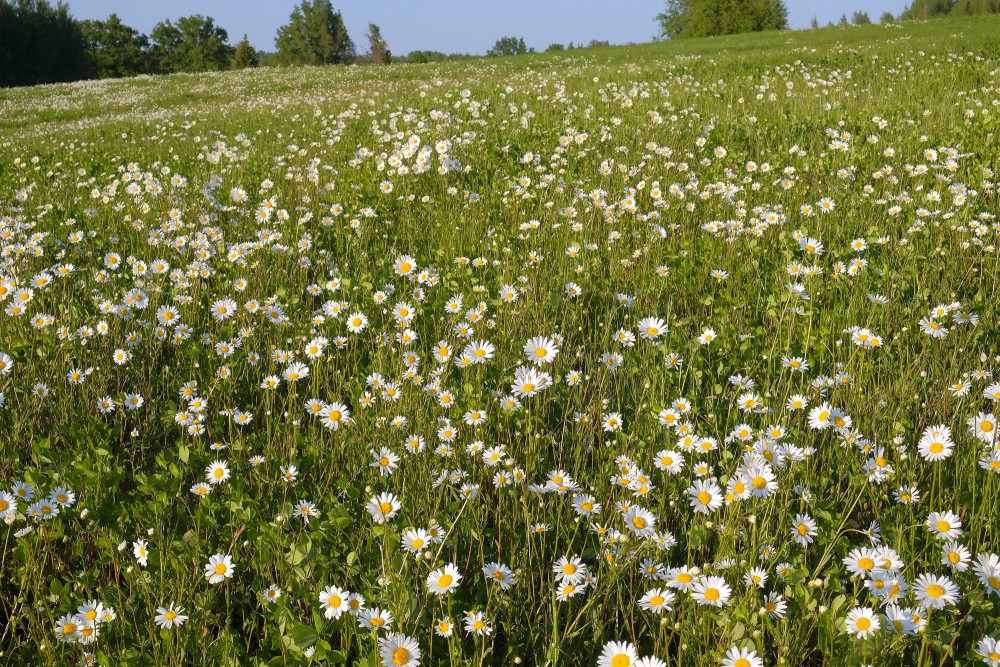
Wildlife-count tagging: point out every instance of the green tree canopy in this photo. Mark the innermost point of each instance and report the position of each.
(509, 46)
(115, 49)
(39, 43)
(193, 44)
(245, 55)
(705, 18)
(315, 35)
(929, 9)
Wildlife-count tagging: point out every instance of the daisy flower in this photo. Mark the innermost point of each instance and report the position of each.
(444, 580)
(170, 617)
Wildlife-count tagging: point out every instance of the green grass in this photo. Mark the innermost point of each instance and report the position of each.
(626, 196)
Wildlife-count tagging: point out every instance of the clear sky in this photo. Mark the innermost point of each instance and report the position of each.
(466, 26)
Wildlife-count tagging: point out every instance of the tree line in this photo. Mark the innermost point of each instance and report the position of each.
(42, 43)
(707, 18)
(929, 9)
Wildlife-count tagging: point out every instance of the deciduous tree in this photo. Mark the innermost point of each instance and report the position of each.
(193, 44)
(706, 18)
(314, 35)
(115, 49)
(509, 46)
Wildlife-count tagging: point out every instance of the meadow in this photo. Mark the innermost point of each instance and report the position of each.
(672, 354)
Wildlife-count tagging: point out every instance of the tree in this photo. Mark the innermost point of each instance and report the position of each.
(194, 44)
(509, 46)
(704, 18)
(555, 46)
(675, 16)
(39, 43)
(814, 23)
(378, 50)
(887, 17)
(315, 35)
(928, 9)
(115, 49)
(860, 18)
(245, 55)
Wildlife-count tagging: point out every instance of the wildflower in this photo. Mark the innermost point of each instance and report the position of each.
(170, 617)
(334, 602)
(657, 600)
(140, 551)
(383, 507)
(617, 654)
(443, 581)
(862, 623)
(219, 568)
(399, 651)
(741, 657)
(712, 591)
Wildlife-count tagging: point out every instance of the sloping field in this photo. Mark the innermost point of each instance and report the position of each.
(681, 353)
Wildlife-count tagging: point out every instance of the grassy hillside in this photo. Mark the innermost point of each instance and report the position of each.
(686, 351)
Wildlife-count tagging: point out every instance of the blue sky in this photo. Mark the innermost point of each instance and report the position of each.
(466, 26)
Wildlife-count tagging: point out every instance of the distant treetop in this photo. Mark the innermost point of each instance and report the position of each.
(314, 35)
(929, 9)
(707, 18)
(509, 46)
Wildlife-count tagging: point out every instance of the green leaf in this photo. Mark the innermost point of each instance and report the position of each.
(302, 637)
